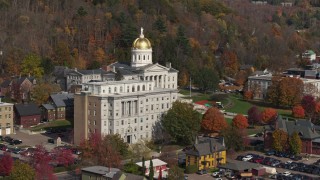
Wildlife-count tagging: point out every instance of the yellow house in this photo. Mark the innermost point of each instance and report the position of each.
(207, 153)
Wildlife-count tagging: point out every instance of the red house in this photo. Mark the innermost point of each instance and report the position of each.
(157, 165)
(26, 115)
(306, 129)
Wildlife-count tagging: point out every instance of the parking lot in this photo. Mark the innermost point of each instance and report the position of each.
(305, 166)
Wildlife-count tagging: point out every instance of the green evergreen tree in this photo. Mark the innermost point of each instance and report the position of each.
(151, 172)
(160, 25)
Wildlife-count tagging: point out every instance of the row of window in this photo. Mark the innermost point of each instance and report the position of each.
(7, 125)
(137, 88)
(6, 116)
(5, 108)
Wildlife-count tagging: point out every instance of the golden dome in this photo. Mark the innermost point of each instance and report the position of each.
(141, 42)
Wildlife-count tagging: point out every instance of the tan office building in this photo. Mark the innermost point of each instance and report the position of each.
(6, 119)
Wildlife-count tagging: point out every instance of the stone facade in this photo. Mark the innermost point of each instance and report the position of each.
(6, 119)
(129, 107)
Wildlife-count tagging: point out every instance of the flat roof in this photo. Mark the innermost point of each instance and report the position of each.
(239, 165)
(6, 104)
(124, 94)
(116, 82)
(101, 170)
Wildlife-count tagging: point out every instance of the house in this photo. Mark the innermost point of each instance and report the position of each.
(259, 2)
(306, 129)
(48, 112)
(6, 118)
(207, 153)
(309, 55)
(157, 165)
(63, 105)
(98, 173)
(18, 88)
(26, 114)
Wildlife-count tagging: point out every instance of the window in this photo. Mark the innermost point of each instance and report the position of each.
(95, 104)
(94, 113)
(94, 122)
(141, 128)
(121, 89)
(122, 122)
(135, 120)
(117, 123)
(109, 89)
(115, 89)
(105, 123)
(141, 119)
(147, 126)
(128, 121)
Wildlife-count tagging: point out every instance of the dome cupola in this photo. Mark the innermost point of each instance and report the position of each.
(141, 52)
(141, 42)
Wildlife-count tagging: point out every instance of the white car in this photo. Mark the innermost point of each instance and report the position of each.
(247, 158)
(286, 173)
(288, 162)
(216, 174)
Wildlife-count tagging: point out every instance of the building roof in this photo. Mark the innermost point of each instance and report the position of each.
(48, 106)
(5, 83)
(309, 52)
(155, 162)
(101, 170)
(238, 165)
(127, 176)
(206, 146)
(306, 129)
(27, 109)
(62, 99)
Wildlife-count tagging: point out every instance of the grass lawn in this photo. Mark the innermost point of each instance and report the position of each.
(256, 130)
(229, 121)
(52, 124)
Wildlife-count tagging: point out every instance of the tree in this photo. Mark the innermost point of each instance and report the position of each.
(117, 143)
(31, 65)
(151, 171)
(248, 95)
(62, 157)
(234, 138)
(132, 168)
(279, 140)
(308, 103)
(182, 122)
(298, 111)
(254, 115)
(285, 91)
(213, 121)
(230, 63)
(295, 143)
(6, 164)
(206, 79)
(42, 91)
(22, 171)
(269, 115)
(39, 160)
(99, 150)
(240, 121)
(175, 172)
(143, 166)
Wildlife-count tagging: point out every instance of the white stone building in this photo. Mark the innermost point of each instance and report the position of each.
(129, 107)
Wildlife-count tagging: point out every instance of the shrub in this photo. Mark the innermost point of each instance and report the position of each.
(191, 169)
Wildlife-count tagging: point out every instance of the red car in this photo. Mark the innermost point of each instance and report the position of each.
(3, 147)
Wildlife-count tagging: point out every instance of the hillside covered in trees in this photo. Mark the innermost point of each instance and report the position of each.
(210, 36)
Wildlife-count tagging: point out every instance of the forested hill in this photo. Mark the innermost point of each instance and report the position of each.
(188, 33)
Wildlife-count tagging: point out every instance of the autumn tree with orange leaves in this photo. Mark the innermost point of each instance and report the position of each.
(268, 115)
(213, 121)
(298, 111)
(98, 150)
(240, 121)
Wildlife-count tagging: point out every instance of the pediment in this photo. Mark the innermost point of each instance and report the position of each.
(156, 68)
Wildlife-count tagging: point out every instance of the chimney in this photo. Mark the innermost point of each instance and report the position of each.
(75, 69)
(313, 129)
(113, 68)
(168, 64)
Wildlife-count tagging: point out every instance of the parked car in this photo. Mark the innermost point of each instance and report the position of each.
(15, 142)
(201, 172)
(275, 163)
(51, 141)
(247, 157)
(286, 173)
(7, 139)
(16, 150)
(297, 158)
(271, 152)
(3, 147)
(239, 158)
(1, 138)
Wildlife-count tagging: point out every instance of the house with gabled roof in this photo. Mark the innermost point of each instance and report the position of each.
(26, 114)
(307, 131)
(18, 88)
(48, 112)
(63, 105)
(309, 55)
(207, 153)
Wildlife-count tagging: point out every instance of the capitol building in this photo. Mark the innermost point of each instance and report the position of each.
(131, 106)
